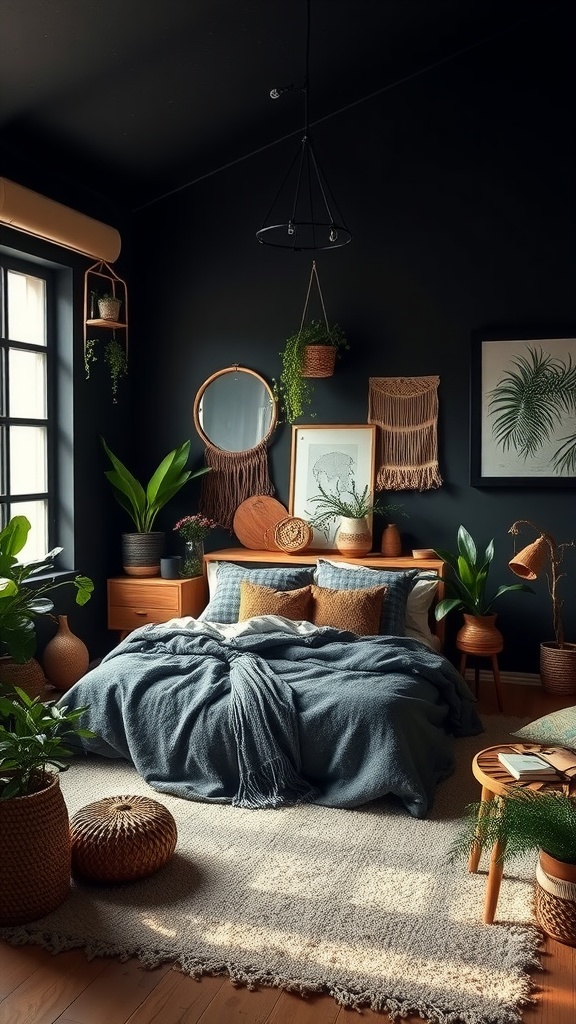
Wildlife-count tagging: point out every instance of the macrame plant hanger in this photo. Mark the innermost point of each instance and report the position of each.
(317, 360)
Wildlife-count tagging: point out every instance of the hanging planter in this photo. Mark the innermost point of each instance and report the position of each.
(310, 353)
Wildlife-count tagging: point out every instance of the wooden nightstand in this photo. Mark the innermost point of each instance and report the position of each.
(134, 601)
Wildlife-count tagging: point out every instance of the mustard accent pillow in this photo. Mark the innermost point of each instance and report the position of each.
(358, 611)
(256, 599)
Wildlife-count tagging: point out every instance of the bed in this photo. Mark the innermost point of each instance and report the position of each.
(316, 682)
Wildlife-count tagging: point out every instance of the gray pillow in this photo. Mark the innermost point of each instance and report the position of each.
(224, 605)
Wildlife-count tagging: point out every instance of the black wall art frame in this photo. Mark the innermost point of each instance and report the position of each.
(523, 408)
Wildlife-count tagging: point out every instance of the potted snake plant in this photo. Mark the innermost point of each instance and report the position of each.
(142, 548)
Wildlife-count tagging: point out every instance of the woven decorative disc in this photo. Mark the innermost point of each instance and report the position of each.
(293, 534)
(121, 838)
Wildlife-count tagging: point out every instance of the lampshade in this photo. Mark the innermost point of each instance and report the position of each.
(529, 562)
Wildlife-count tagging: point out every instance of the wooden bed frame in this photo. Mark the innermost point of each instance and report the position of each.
(250, 557)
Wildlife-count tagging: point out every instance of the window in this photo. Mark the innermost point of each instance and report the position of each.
(27, 400)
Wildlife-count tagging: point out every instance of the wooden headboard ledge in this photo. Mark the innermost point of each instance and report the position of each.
(248, 556)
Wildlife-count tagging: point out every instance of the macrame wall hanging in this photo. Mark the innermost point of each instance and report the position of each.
(405, 412)
(235, 476)
(235, 414)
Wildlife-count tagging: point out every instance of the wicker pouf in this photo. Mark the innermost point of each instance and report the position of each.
(121, 838)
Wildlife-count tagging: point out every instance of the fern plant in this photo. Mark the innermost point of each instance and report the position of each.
(355, 506)
(523, 820)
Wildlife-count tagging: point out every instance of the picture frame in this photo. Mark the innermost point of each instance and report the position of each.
(332, 455)
(523, 408)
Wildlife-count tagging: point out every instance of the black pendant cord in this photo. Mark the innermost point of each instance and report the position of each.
(302, 229)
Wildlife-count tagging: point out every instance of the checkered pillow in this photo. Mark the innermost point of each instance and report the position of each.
(224, 605)
(398, 584)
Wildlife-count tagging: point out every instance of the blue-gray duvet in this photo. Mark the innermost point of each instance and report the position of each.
(272, 716)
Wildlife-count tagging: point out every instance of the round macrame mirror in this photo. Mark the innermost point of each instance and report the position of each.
(235, 413)
(235, 410)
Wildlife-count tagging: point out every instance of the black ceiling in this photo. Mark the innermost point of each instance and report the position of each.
(137, 98)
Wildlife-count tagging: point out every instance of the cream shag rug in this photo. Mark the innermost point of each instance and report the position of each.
(358, 903)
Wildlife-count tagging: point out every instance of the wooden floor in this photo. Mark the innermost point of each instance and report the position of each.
(39, 988)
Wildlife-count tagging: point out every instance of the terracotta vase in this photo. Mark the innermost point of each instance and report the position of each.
(353, 537)
(65, 658)
(391, 545)
(479, 635)
(36, 854)
(555, 903)
(28, 676)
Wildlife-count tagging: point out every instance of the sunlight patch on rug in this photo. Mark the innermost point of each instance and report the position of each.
(359, 903)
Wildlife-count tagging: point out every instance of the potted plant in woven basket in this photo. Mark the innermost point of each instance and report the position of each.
(34, 825)
(557, 657)
(525, 820)
(310, 352)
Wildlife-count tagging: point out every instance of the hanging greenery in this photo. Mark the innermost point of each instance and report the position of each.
(114, 357)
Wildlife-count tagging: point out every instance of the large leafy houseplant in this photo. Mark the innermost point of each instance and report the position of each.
(292, 389)
(21, 600)
(35, 739)
(468, 580)
(144, 503)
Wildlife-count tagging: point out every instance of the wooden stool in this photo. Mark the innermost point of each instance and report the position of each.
(496, 782)
(495, 673)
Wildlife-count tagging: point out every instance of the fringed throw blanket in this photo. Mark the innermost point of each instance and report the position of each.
(235, 476)
(405, 411)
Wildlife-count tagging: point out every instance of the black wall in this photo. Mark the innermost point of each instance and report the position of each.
(458, 187)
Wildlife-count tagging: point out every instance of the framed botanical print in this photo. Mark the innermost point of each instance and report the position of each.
(335, 458)
(523, 409)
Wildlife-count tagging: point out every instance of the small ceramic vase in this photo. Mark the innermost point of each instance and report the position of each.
(353, 537)
(391, 545)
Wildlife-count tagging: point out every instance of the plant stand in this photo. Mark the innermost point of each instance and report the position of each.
(480, 638)
(102, 274)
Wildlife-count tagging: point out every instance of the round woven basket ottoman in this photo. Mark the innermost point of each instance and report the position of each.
(121, 838)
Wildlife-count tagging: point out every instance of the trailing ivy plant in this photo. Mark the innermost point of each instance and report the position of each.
(114, 357)
(292, 390)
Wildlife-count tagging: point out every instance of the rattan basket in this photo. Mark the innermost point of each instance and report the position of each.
(34, 854)
(292, 534)
(558, 668)
(318, 361)
(555, 904)
(121, 838)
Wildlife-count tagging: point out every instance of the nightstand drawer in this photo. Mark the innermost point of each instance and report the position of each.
(136, 602)
(122, 617)
(145, 595)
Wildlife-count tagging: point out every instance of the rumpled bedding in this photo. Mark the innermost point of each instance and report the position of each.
(269, 712)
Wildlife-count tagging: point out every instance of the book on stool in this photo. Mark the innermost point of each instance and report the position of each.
(527, 766)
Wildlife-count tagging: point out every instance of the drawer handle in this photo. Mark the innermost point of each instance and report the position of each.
(140, 613)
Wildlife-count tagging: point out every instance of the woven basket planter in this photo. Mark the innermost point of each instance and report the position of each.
(121, 839)
(558, 668)
(109, 308)
(318, 361)
(555, 902)
(141, 553)
(35, 854)
(28, 676)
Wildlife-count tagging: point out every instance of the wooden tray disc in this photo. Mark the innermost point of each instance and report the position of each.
(254, 522)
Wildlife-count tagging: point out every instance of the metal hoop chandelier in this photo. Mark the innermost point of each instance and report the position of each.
(304, 214)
